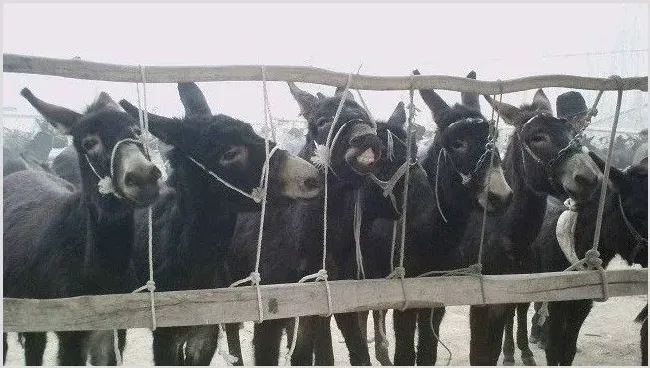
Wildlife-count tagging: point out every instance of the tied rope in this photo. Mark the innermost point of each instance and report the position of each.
(400, 271)
(592, 259)
(321, 275)
(151, 284)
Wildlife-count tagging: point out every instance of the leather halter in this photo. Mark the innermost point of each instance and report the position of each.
(640, 240)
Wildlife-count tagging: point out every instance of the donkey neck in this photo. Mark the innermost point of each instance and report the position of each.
(526, 212)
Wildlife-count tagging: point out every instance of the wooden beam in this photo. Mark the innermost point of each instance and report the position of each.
(80, 69)
(197, 307)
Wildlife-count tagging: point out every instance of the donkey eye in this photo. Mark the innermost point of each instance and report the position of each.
(459, 145)
(231, 154)
(322, 121)
(540, 138)
(89, 144)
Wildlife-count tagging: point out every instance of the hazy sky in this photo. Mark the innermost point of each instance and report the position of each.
(497, 40)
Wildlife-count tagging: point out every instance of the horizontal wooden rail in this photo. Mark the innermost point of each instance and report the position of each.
(79, 69)
(199, 307)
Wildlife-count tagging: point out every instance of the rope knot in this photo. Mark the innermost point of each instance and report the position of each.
(151, 285)
(592, 259)
(257, 194)
(321, 275)
(398, 273)
(475, 269)
(571, 205)
(255, 278)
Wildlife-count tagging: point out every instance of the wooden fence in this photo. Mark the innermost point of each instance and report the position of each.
(214, 306)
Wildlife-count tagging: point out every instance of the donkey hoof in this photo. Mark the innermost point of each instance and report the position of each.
(508, 362)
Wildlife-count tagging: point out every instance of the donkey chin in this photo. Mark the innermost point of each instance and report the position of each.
(580, 177)
(498, 195)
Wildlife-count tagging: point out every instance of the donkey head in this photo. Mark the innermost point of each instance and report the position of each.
(354, 146)
(462, 141)
(209, 146)
(108, 145)
(552, 160)
(630, 200)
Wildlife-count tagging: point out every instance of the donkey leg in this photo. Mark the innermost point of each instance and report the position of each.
(554, 323)
(5, 347)
(404, 328)
(323, 350)
(167, 346)
(577, 312)
(527, 356)
(381, 340)
(535, 328)
(303, 353)
(644, 343)
(348, 323)
(234, 343)
(508, 342)
(34, 347)
(267, 337)
(486, 325)
(363, 324)
(71, 347)
(100, 346)
(201, 345)
(428, 332)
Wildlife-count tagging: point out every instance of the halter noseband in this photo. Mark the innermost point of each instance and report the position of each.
(322, 153)
(572, 147)
(640, 240)
(106, 184)
(257, 193)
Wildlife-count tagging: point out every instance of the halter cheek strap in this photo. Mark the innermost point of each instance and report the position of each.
(106, 185)
(257, 193)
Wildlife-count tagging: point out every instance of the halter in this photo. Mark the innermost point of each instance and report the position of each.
(257, 193)
(640, 240)
(573, 146)
(467, 179)
(106, 184)
(322, 153)
(388, 186)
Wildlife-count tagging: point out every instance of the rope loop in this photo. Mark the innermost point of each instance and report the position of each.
(151, 286)
(398, 272)
(592, 259)
(321, 275)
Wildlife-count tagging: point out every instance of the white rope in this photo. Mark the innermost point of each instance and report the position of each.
(361, 273)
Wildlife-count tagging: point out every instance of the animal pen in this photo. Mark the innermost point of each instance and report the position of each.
(264, 302)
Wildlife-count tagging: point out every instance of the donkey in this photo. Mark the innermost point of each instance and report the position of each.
(194, 220)
(541, 158)
(624, 231)
(293, 234)
(63, 242)
(457, 166)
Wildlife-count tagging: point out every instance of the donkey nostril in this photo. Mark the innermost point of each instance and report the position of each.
(583, 179)
(129, 179)
(312, 183)
(155, 173)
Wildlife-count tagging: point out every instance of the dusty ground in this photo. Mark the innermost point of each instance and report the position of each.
(609, 337)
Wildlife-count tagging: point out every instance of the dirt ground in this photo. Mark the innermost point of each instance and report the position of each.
(609, 337)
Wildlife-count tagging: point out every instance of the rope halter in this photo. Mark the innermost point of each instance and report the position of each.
(257, 193)
(106, 185)
(323, 153)
(574, 146)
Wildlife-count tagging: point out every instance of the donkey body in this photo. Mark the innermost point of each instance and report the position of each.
(625, 223)
(193, 221)
(541, 159)
(62, 242)
(293, 234)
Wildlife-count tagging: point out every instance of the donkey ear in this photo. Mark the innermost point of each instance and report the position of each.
(398, 118)
(156, 122)
(305, 100)
(436, 104)
(105, 101)
(193, 99)
(339, 93)
(510, 114)
(61, 118)
(541, 101)
(470, 99)
(617, 178)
